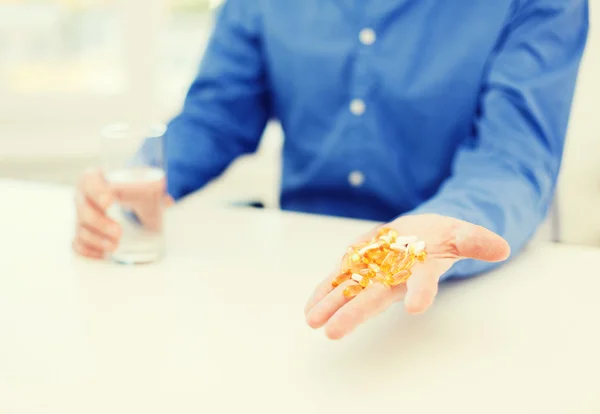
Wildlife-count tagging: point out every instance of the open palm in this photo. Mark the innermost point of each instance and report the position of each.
(448, 240)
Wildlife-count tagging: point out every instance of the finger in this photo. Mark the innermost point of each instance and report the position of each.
(476, 242)
(146, 200)
(95, 241)
(325, 308)
(150, 211)
(322, 290)
(169, 201)
(95, 220)
(95, 188)
(422, 288)
(373, 300)
(138, 190)
(86, 251)
(325, 287)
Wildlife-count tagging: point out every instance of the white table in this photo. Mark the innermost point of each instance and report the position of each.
(213, 329)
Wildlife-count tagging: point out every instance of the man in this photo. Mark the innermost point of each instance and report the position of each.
(445, 119)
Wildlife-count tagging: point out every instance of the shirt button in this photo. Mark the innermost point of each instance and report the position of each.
(356, 178)
(367, 37)
(357, 107)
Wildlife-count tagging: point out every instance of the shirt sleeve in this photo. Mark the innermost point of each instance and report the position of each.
(226, 109)
(504, 176)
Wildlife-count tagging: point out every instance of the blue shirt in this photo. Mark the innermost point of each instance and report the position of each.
(391, 107)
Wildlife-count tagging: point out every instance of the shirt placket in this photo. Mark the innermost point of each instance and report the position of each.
(361, 87)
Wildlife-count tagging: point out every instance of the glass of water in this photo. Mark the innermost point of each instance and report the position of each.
(132, 164)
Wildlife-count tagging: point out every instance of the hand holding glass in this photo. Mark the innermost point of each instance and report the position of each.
(132, 166)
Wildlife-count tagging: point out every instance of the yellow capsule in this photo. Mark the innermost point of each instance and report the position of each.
(389, 236)
(380, 260)
(346, 263)
(398, 263)
(373, 246)
(341, 279)
(369, 257)
(352, 290)
(411, 261)
(366, 272)
(380, 255)
(383, 231)
(388, 280)
(388, 261)
(400, 256)
(374, 267)
(386, 240)
(357, 267)
(380, 277)
(406, 263)
(401, 277)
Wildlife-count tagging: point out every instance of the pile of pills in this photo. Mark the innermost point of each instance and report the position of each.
(387, 258)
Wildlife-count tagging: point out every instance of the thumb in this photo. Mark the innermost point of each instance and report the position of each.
(477, 242)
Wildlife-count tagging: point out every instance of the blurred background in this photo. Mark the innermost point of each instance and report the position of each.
(68, 67)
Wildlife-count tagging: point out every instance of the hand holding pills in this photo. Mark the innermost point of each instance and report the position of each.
(402, 260)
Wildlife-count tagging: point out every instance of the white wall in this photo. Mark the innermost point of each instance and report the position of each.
(579, 184)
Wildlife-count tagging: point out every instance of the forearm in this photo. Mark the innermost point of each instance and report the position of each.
(226, 108)
(505, 175)
(197, 152)
(191, 155)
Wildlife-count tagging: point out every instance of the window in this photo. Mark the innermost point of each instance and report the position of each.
(55, 47)
(188, 27)
(72, 65)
